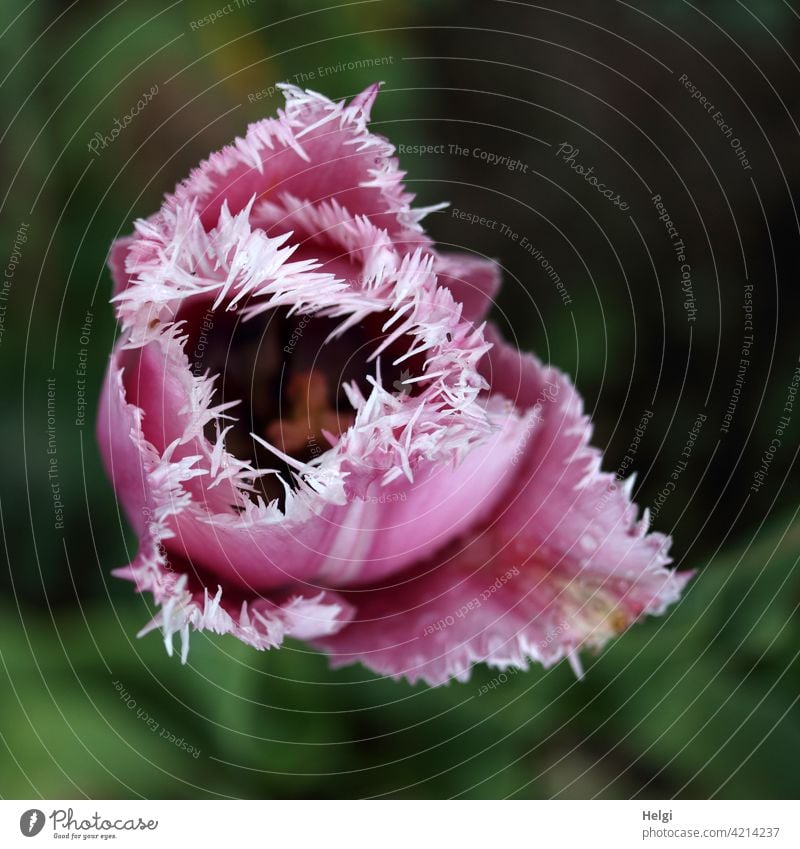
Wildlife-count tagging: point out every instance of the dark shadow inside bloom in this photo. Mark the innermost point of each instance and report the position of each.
(287, 373)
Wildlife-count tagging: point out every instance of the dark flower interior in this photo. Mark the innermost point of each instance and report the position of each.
(287, 374)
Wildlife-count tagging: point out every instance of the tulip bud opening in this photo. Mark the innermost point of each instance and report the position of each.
(288, 372)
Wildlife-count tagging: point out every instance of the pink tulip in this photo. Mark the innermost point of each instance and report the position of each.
(314, 434)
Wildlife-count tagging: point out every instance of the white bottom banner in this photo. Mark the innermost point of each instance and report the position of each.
(400, 824)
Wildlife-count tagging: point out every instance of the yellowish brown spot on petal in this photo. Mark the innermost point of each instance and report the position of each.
(310, 415)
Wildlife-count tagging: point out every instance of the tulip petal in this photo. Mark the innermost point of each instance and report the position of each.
(117, 257)
(563, 566)
(315, 149)
(153, 490)
(474, 282)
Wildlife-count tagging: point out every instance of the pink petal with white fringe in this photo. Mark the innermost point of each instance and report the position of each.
(562, 566)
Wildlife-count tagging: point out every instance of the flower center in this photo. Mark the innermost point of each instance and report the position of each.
(287, 372)
(310, 417)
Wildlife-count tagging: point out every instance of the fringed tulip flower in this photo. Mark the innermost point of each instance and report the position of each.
(314, 434)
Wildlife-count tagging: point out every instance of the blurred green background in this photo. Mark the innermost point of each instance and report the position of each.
(702, 702)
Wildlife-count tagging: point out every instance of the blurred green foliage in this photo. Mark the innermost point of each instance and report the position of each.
(701, 702)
